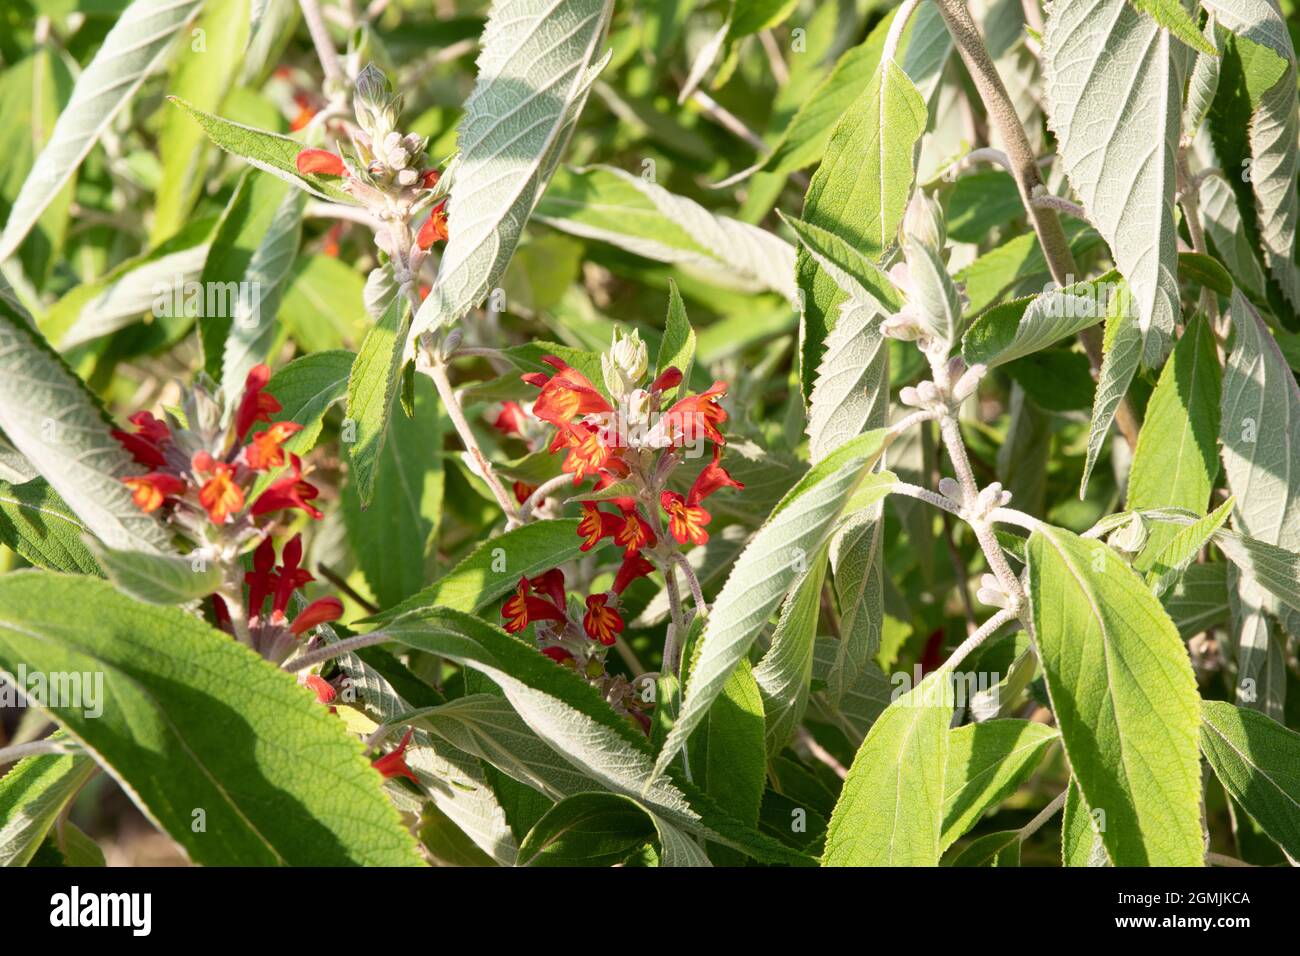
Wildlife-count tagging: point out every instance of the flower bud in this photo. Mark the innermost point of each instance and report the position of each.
(625, 364)
(990, 592)
(1130, 537)
(923, 221)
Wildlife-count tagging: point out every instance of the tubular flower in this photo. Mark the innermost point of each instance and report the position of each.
(510, 421)
(289, 491)
(289, 579)
(634, 566)
(552, 585)
(686, 519)
(320, 611)
(602, 622)
(634, 533)
(264, 451)
(434, 228)
(148, 491)
(565, 394)
(323, 689)
(255, 405)
(220, 495)
(145, 443)
(700, 413)
(596, 524)
(523, 491)
(522, 609)
(261, 580)
(587, 453)
(393, 763)
(321, 162)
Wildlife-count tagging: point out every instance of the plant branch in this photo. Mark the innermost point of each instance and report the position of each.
(320, 38)
(1024, 169)
(982, 634)
(1049, 811)
(35, 748)
(334, 578)
(337, 649)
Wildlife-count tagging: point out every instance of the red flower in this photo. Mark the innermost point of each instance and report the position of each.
(264, 451)
(320, 611)
(288, 491)
(290, 578)
(393, 763)
(434, 228)
(305, 113)
(145, 443)
(521, 609)
(596, 524)
(686, 519)
(602, 622)
(319, 161)
(523, 491)
(552, 585)
(261, 580)
(557, 654)
(220, 494)
(587, 453)
(634, 566)
(702, 411)
(565, 394)
(670, 377)
(510, 420)
(324, 690)
(148, 491)
(254, 406)
(431, 177)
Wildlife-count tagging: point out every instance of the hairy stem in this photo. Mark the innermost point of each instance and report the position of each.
(320, 38)
(36, 747)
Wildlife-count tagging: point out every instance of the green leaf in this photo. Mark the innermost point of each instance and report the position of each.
(1025, 326)
(734, 762)
(372, 387)
(1166, 557)
(269, 152)
(890, 812)
(774, 559)
(1176, 461)
(1258, 81)
(641, 217)
(305, 389)
(992, 849)
(32, 795)
(1123, 353)
(36, 523)
(862, 699)
(784, 674)
(493, 569)
(859, 192)
(1199, 601)
(277, 778)
(1173, 16)
(394, 550)
(1080, 842)
(537, 64)
(804, 140)
(1258, 762)
(986, 763)
(589, 829)
(1124, 697)
(136, 46)
(157, 578)
(677, 348)
(568, 714)
(203, 75)
(60, 427)
(1122, 147)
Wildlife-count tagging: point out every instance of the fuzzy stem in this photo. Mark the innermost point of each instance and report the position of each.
(320, 38)
(1036, 824)
(36, 747)
(337, 649)
(983, 633)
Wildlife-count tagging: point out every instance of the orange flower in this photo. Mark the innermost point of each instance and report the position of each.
(602, 622)
(320, 611)
(565, 394)
(324, 690)
(701, 412)
(220, 495)
(587, 453)
(265, 452)
(685, 522)
(289, 491)
(319, 161)
(634, 566)
(148, 491)
(434, 228)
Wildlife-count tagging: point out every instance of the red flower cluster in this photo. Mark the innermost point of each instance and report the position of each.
(274, 635)
(217, 478)
(543, 601)
(599, 438)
